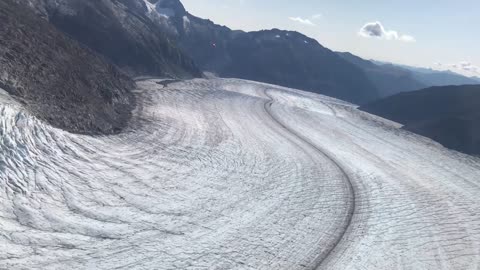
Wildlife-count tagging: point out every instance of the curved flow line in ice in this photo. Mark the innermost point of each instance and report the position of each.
(232, 174)
(348, 180)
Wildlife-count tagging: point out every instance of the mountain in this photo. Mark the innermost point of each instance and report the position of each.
(443, 78)
(389, 79)
(449, 114)
(431, 77)
(57, 79)
(154, 37)
(274, 56)
(121, 31)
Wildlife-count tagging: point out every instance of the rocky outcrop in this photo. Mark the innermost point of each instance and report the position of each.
(59, 80)
(121, 31)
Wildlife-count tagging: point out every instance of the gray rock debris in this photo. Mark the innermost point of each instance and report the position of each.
(57, 79)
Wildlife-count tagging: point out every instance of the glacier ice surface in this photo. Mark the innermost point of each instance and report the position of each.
(232, 174)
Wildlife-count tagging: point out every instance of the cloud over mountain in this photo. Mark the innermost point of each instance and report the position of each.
(376, 29)
(304, 21)
(310, 21)
(464, 67)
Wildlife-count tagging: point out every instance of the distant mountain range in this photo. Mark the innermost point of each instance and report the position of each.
(433, 77)
(447, 114)
(391, 79)
(160, 38)
(280, 57)
(388, 79)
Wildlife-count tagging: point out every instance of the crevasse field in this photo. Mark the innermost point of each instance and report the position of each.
(232, 174)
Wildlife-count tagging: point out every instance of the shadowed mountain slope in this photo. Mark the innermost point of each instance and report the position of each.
(388, 79)
(121, 31)
(449, 114)
(274, 56)
(57, 79)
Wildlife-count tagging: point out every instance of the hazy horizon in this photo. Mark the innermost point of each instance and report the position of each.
(431, 34)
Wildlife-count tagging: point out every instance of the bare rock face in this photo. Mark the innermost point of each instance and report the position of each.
(120, 30)
(59, 80)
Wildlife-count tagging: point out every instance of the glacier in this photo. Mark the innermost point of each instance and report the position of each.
(233, 174)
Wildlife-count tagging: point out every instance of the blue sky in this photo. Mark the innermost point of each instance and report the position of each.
(441, 34)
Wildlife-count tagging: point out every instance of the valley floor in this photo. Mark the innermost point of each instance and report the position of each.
(232, 174)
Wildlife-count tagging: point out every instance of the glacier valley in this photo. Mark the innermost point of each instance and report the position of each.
(234, 174)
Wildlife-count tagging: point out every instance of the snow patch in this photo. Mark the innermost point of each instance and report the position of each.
(166, 12)
(150, 6)
(186, 22)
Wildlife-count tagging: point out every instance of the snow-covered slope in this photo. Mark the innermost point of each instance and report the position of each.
(231, 174)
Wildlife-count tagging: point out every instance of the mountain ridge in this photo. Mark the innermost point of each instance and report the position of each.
(119, 30)
(389, 79)
(432, 77)
(449, 115)
(274, 56)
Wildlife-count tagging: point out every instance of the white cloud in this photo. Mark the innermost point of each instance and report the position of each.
(302, 21)
(407, 38)
(469, 66)
(307, 21)
(376, 29)
(464, 67)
